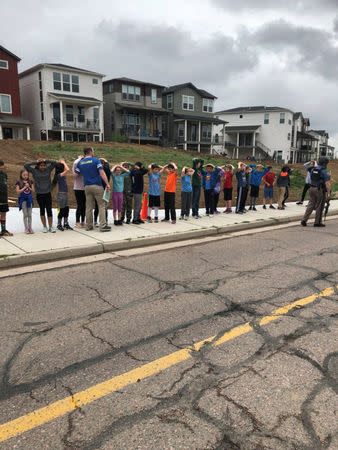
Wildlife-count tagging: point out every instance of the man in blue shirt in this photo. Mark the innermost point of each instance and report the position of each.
(92, 171)
(319, 191)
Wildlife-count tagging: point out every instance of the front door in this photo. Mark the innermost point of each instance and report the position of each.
(193, 132)
(7, 133)
(56, 113)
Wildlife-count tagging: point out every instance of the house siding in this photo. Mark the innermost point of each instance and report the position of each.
(9, 83)
(198, 103)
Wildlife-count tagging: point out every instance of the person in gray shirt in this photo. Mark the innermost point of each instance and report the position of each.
(43, 187)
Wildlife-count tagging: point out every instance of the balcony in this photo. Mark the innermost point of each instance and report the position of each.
(75, 125)
(135, 133)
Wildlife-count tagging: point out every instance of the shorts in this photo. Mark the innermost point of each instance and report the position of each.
(268, 192)
(227, 194)
(154, 201)
(62, 199)
(4, 207)
(254, 191)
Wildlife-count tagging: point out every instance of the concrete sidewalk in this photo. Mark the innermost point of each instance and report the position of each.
(22, 249)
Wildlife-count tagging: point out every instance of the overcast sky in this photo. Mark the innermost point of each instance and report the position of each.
(245, 52)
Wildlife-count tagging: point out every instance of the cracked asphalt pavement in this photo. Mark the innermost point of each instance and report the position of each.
(64, 330)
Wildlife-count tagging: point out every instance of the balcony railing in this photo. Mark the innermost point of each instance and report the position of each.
(136, 131)
(88, 125)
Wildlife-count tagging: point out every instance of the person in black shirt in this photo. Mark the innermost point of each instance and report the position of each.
(137, 175)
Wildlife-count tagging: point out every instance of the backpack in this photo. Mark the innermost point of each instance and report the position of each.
(316, 176)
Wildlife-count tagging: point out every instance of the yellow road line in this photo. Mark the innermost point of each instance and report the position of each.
(68, 404)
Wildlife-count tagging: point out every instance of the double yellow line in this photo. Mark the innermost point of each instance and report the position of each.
(68, 404)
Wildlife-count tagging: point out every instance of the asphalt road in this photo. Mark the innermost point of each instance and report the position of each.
(271, 384)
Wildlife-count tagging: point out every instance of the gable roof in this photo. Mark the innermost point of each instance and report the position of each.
(131, 80)
(246, 109)
(9, 53)
(57, 66)
(176, 87)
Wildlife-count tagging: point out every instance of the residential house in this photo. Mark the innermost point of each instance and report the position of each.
(191, 118)
(63, 102)
(133, 109)
(266, 132)
(12, 124)
(324, 149)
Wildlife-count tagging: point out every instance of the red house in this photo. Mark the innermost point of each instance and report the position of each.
(12, 124)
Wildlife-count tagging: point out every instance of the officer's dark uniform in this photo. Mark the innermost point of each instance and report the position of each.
(319, 176)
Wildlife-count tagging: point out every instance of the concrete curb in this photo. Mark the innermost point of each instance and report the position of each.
(126, 244)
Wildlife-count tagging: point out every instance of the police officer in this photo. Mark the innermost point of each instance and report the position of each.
(319, 191)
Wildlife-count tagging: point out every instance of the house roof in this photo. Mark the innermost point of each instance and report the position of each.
(302, 135)
(131, 80)
(142, 108)
(297, 115)
(14, 120)
(176, 87)
(9, 53)
(246, 109)
(320, 132)
(242, 128)
(58, 66)
(199, 118)
(75, 97)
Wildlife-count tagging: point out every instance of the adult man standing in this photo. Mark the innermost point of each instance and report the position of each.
(319, 191)
(92, 171)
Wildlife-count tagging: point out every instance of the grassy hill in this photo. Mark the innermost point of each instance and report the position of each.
(16, 153)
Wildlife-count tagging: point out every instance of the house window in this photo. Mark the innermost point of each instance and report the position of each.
(96, 114)
(75, 83)
(80, 113)
(110, 88)
(95, 81)
(131, 92)
(289, 121)
(188, 102)
(266, 118)
(181, 130)
(3, 64)
(42, 112)
(289, 136)
(5, 104)
(69, 113)
(241, 116)
(124, 91)
(57, 81)
(282, 118)
(66, 82)
(170, 101)
(206, 131)
(208, 105)
(154, 96)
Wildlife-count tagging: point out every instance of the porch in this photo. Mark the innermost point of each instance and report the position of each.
(307, 148)
(14, 128)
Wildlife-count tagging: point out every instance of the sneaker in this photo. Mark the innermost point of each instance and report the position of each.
(90, 228)
(211, 215)
(272, 207)
(6, 233)
(60, 228)
(120, 223)
(136, 222)
(105, 228)
(96, 225)
(239, 212)
(173, 222)
(128, 221)
(250, 208)
(319, 224)
(156, 220)
(186, 217)
(264, 207)
(165, 220)
(195, 217)
(115, 222)
(30, 231)
(66, 226)
(228, 211)
(280, 207)
(216, 212)
(51, 230)
(303, 223)
(140, 221)
(254, 208)
(181, 218)
(149, 219)
(45, 230)
(299, 203)
(27, 230)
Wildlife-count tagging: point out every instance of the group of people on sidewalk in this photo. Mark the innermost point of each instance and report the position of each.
(93, 191)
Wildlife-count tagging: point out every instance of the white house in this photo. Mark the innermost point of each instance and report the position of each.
(62, 102)
(265, 132)
(324, 149)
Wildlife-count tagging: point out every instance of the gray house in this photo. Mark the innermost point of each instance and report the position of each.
(133, 109)
(191, 118)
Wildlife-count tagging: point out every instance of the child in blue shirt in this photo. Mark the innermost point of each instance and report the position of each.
(209, 179)
(186, 192)
(256, 176)
(118, 175)
(154, 200)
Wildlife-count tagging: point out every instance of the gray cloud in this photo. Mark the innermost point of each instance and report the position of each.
(335, 25)
(287, 5)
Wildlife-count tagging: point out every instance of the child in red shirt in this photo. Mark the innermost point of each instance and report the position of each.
(227, 187)
(269, 180)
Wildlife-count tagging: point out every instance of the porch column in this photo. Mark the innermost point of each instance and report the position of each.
(237, 145)
(223, 146)
(254, 144)
(61, 121)
(28, 134)
(212, 137)
(1, 136)
(185, 134)
(199, 137)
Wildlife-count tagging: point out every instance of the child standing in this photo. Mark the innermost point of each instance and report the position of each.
(283, 183)
(3, 200)
(118, 174)
(80, 196)
(269, 180)
(61, 170)
(255, 180)
(169, 193)
(227, 187)
(137, 189)
(154, 202)
(217, 188)
(25, 188)
(209, 177)
(242, 187)
(196, 180)
(186, 192)
(43, 187)
(127, 205)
